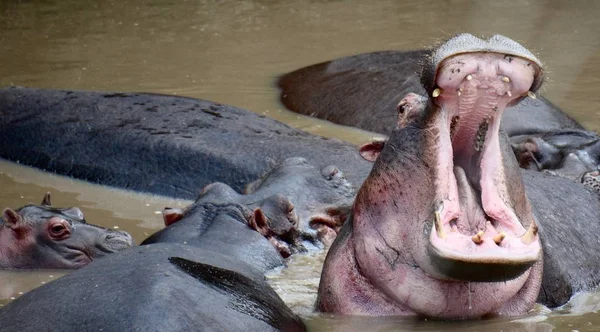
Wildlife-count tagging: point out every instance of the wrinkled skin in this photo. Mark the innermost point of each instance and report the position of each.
(44, 237)
(435, 226)
(294, 206)
(160, 287)
(165, 145)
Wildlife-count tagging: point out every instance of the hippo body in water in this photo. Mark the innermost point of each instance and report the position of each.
(364, 90)
(158, 287)
(221, 227)
(45, 237)
(165, 145)
(442, 221)
(294, 205)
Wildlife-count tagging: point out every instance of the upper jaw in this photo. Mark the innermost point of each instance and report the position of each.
(476, 234)
(466, 43)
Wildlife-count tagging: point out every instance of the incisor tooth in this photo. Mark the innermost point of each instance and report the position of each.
(436, 92)
(505, 79)
(478, 238)
(509, 93)
(499, 237)
(469, 77)
(530, 235)
(531, 95)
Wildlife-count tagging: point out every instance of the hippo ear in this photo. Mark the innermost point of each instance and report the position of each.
(11, 217)
(46, 201)
(172, 215)
(259, 222)
(370, 151)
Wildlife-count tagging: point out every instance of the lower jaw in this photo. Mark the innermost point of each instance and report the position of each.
(476, 270)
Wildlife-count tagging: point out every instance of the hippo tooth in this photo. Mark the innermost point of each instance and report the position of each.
(505, 79)
(508, 93)
(530, 235)
(531, 95)
(499, 237)
(469, 77)
(459, 93)
(437, 222)
(478, 238)
(436, 92)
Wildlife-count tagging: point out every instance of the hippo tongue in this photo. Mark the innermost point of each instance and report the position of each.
(473, 218)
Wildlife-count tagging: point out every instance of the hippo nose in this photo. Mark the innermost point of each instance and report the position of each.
(119, 236)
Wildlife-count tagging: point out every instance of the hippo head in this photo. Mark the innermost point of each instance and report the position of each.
(41, 236)
(442, 219)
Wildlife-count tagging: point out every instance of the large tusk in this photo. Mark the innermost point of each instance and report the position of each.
(531, 234)
(437, 221)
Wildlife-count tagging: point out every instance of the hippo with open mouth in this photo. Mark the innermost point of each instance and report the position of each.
(441, 227)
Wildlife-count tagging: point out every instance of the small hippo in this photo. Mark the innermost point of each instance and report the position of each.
(442, 221)
(44, 237)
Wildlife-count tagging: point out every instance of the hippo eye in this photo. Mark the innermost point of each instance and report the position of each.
(59, 231)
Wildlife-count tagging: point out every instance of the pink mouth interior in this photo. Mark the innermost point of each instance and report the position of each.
(473, 90)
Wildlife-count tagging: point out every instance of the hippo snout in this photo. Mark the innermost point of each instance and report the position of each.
(116, 240)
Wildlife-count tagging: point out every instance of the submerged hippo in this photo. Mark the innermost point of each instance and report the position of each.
(159, 287)
(294, 206)
(364, 90)
(442, 221)
(573, 154)
(165, 145)
(45, 237)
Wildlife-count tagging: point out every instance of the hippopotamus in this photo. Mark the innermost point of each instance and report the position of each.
(46, 237)
(294, 205)
(221, 227)
(158, 287)
(366, 91)
(165, 145)
(573, 154)
(442, 221)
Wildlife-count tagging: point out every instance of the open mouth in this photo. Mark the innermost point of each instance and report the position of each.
(476, 234)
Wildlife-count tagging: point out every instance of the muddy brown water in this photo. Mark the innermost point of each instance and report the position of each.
(231, 52)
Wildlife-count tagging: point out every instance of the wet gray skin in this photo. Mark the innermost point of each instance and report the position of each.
(44, 237)
(436, 224)
(294, 205)
(572, 153)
